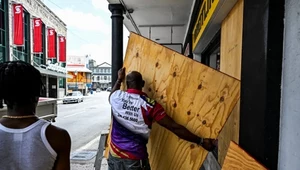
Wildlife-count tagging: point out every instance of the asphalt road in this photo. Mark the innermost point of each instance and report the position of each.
(85, 121)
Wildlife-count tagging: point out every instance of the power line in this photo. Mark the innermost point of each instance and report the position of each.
(55, 4)
(78, 36)
(86, 2)
(69, 29)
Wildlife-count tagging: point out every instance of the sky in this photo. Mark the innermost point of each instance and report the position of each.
(89, 27)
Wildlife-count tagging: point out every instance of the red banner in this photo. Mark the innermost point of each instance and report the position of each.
(62, 49)
(51, 43)
(18, 24)
(37, 35)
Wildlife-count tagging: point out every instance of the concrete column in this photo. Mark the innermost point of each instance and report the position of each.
(117, 11)
(289, 150)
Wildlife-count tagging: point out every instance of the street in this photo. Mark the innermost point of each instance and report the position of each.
(84, 122)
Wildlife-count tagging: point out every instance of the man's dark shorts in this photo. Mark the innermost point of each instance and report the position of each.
(127, 164)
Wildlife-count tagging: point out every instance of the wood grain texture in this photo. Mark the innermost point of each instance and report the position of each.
(194, 95)
(238, 159)
(231, 57)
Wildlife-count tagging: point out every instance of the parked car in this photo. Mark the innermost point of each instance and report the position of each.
(98, 90)
(108, 89)
(74, 97)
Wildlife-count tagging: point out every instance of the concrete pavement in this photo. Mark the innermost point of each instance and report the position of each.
(84, 122)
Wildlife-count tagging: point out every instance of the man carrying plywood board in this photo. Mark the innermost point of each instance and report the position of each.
(133, 115)
(195, 96)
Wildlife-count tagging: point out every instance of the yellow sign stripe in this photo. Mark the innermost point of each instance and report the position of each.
(207, 9)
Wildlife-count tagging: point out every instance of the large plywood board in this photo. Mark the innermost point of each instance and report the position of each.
(194, 95)
(238, 159)
(231, 56)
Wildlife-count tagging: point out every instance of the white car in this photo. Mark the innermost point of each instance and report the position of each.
(74, 97)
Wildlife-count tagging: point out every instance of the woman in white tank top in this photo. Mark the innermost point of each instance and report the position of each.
(26, 142)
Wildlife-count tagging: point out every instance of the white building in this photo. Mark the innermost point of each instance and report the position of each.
(53, 74)
(101, 75)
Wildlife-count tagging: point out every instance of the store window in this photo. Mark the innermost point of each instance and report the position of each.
(54, 60)
(23, 52)
(40, 58)
(211, 55)
(3, 30)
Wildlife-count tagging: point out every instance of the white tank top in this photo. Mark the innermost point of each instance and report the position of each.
(26, 149)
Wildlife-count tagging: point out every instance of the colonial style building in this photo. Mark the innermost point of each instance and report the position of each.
(101, 75)
(31, 32)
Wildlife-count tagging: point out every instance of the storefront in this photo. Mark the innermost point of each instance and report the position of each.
(80, 81)
(229, 37)
(217, 42)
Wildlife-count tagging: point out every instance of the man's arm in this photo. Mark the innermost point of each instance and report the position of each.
(60, 141)
(117, 85)
(185, 134)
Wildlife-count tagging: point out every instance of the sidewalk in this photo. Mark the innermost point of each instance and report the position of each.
(84, 157)
(88, 164)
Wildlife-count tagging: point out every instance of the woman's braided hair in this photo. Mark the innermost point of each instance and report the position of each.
(20, 82)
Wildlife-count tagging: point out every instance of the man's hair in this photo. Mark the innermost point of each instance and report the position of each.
(134, 79)
(20, 83)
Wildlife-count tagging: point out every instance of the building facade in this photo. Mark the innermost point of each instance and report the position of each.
(101, 78)
(254, 41)
(23, 44)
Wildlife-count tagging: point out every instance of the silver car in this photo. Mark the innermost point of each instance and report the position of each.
(74, 97)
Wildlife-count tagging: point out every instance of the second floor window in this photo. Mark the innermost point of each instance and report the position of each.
(23, 52)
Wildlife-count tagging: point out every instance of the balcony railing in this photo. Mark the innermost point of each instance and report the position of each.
(57, 68)
(37, 61)
(51, 67)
